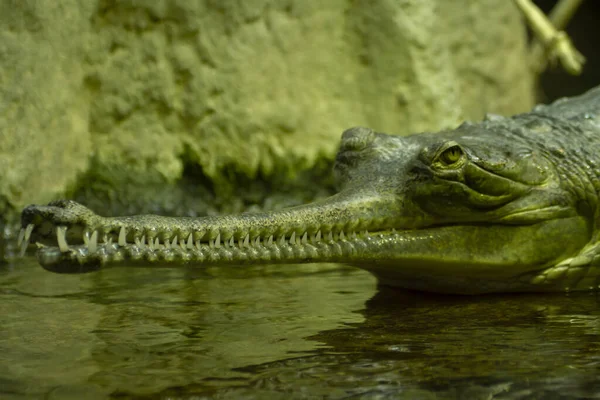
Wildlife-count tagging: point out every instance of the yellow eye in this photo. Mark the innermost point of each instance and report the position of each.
(451, 155)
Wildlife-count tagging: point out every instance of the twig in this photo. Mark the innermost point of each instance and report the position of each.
(554, 42)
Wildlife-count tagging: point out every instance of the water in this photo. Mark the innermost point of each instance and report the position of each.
(285, 332)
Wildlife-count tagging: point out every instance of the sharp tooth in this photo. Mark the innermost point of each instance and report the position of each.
(247, 240)
(231, 242)
(28, 232)
(281, 241)
(93, 243)
(21, 236)
(190, 242)
(318, 238)
(218, 240)
(257, 241)
(25, 238)
(270, 240)
(330, 236)
(174, 242)
(156, 243)
(23, 248)
(167, 243)
(143, 242)
(86, 237)
(342, 237)
(293, 238)
(61, 238)
(122, 237)
(198, 245)
(211, 243)
(305, 238)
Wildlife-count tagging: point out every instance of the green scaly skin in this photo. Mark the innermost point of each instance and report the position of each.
(504, 205)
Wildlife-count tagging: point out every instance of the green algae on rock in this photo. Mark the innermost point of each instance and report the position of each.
(258, 89)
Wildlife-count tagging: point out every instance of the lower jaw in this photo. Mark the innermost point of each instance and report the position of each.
(78, 259)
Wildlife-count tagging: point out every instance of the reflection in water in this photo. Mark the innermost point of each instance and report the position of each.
(509, 347)
(285, 332)
(144, 330)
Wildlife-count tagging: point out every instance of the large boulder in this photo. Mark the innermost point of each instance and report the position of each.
(124, 100)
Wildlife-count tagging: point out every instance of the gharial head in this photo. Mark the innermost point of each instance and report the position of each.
(477, 209)
(468, 175)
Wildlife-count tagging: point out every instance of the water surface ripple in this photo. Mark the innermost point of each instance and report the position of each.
(284, 332)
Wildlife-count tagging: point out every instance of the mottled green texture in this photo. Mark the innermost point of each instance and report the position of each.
(44, 136)
(477, 209)
(154, 91)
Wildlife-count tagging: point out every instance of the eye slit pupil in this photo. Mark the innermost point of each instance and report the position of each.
(451, 155)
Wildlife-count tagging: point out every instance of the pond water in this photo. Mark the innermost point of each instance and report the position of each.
(284, 332)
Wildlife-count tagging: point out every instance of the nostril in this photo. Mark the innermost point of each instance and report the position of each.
(357, 138)
(29, 215)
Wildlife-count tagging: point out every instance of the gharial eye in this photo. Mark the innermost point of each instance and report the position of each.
(451, 155)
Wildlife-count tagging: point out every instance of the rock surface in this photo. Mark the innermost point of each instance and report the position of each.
(101, 96)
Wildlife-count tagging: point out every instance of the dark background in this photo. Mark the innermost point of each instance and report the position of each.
(584, 30)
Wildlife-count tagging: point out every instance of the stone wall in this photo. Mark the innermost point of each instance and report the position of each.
(103, 94)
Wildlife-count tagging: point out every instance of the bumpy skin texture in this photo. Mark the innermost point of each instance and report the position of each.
(507, 204)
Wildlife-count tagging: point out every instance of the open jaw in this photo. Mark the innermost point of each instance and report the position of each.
(468, 258)
(71, 238)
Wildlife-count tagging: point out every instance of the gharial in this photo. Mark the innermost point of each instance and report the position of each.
(508, 204)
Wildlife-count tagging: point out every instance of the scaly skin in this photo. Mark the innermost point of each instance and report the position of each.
(504, 205)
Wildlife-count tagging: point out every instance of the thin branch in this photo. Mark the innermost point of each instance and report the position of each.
(554, 42)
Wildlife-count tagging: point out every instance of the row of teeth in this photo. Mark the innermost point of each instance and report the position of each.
(23, 239)
(91, 240)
